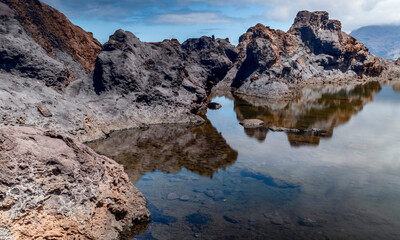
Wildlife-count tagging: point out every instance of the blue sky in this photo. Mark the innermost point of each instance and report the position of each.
(154, 20)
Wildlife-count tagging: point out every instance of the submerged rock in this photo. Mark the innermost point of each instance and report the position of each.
(52, 187)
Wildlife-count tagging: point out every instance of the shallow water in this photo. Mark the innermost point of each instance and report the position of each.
(220, 181)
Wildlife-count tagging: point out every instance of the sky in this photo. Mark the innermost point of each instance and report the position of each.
(152, 20)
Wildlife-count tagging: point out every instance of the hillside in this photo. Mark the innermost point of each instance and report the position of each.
(382, 41)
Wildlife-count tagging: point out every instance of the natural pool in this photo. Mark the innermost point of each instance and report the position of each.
(221, 181)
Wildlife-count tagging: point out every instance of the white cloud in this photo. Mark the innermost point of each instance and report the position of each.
(192, 18)
(352, 13)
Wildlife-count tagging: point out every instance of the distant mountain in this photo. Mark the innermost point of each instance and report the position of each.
(382, 41)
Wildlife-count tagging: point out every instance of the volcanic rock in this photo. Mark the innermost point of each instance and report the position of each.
(55, 33)
(164, 73)
(21, 55)
(315, 48)
(54, 188)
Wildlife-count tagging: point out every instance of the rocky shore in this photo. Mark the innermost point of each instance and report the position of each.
(89, 90)
(54, 188)
(60, 85)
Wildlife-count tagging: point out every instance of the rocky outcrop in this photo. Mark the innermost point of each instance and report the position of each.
(54, 188)
(136, 83)
(165, 73)
(272, 61)
(55, 33)
(21, 55)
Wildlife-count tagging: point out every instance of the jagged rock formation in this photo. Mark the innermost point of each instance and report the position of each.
(273, 61)
(54, 188)
(136, 83)
(164, 73)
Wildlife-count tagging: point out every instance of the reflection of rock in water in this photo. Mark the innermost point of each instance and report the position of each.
(320, 108)
(396, 87)
(258, 133)
(168, 148)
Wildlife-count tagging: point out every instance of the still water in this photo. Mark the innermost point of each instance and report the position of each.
(221, 181)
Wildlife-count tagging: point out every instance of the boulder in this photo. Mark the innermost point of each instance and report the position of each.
(54, 188)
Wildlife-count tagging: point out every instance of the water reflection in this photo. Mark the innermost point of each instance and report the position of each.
(168, 148)
(346, 188)
(322, 108)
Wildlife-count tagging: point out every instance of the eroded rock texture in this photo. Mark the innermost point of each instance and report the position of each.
(55, 33)
(21, 55)
(165, 73)
(39, 42)
(54, 188)
(314, 48)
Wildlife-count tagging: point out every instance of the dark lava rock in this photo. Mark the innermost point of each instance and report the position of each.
(52, 186)
(158, 216)
(198, 219)
(270, 181)
(230, 219)
(164, 73)
(214, 106)
(272, 61)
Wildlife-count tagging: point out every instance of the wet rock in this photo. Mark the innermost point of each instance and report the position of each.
(198, 220)
(252, 123)
(184, 198)
(53, 186)
(158, 216)
(172, 196)
(215, 195)
(308, 222)
(230, 219)
(44, 110)
(270, 181)
(214, 106)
